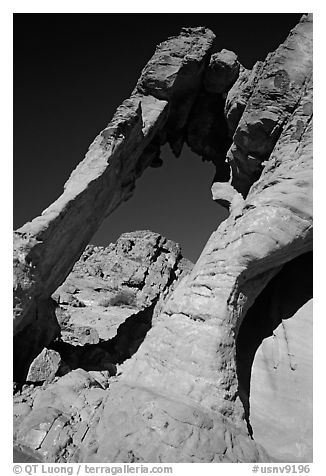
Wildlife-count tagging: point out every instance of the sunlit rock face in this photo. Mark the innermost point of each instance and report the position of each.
(181, 366)
(104, 308)
(281, 389)
(274, 363)
(46, 248)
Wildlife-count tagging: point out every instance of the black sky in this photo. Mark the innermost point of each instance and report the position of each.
(71, 71)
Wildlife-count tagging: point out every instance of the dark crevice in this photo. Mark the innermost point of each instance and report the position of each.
(107, 354)
(270, 132)
(208, 132)
(157, 253)
(173, 277)
(284, 295)
(29, 342)
(136, 285)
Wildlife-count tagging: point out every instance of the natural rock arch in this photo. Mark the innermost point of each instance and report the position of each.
(177, 411)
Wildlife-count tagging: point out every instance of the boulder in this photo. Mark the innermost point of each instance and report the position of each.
(44, 366)
(222, 71)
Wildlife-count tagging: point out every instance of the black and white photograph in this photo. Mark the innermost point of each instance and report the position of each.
(162, 245)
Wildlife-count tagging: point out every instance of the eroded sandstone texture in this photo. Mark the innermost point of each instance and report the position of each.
(150, 359)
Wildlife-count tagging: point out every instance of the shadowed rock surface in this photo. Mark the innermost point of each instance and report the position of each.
(162, 361)
(262, 102)
(282, 380)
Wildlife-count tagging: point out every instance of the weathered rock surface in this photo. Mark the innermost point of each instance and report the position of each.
(274, 362)
(281, 389)
(44, 366)
(272, 93)
(174, 383)
(98, 184)
(110, 299)
(104, 308)
(106, 177)
(222, 71)
(59, 415)
(174, 74)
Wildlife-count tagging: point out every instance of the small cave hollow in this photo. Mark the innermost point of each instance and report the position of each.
(107, 354)
(284, 295)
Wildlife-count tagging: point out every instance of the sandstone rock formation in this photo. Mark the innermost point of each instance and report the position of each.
(105, 308)
(281, 376)
(44, 366)
(112, 296)
(172, 375)
(274, 345)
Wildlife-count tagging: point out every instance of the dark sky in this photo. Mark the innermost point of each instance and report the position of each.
(71, 71)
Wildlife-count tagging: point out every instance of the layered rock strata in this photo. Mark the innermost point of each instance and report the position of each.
(183, 395)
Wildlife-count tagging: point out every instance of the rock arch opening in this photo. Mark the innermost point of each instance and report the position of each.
(159, 111)
(267, 357)
(174, 200)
